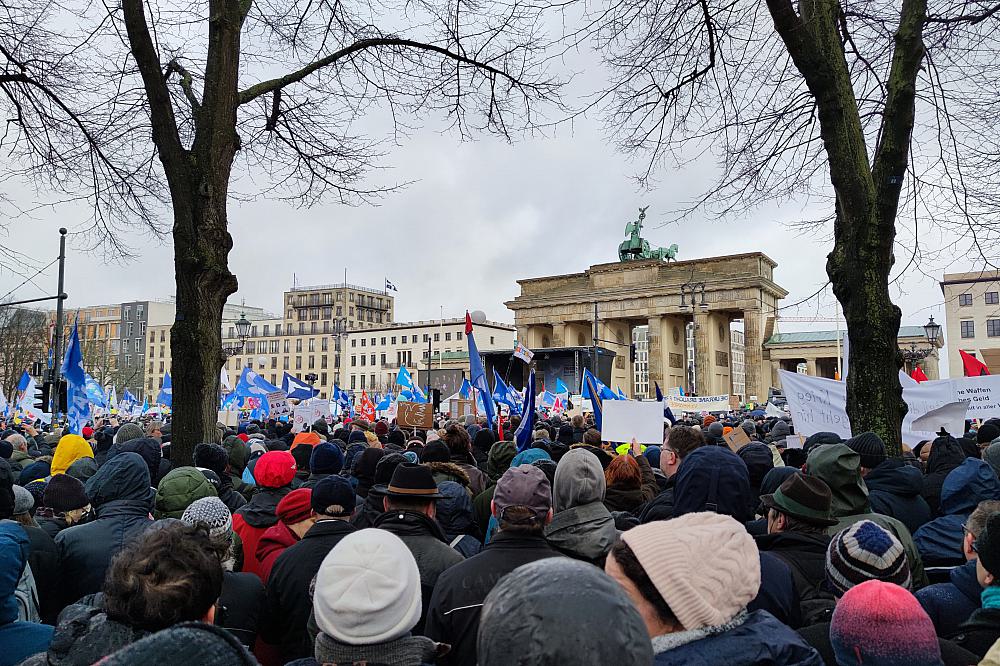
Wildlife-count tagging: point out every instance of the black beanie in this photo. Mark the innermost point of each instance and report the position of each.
(64, 493)
(869, 447)
(988, 545)
(211, 456)
(987, 433)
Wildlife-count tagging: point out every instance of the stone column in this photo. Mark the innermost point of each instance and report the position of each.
(704, 353)
(753, 355)
(657, 354)
(811, 369)
(560, 331)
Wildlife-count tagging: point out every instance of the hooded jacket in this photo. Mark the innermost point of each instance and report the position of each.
(252, 519)
(275, 540)
(840, 468)
(84, 636)
(70, 449)
(940, 540)
(18, 640)
(178, 490)
(894, 490)
(713, 478)
(454, 515)
(952, 603)
(582, 526)
(122, 499)
(946, 454)
(148, 449)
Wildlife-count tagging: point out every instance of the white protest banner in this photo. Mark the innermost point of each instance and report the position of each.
(691, 403)
(277, 404)
(624, 420)
(307, 412)
(773, 410)
(982, 394)
(950, 416)
(817, 404)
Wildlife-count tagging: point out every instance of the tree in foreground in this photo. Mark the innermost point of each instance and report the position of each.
(145, 105)
(886, 112)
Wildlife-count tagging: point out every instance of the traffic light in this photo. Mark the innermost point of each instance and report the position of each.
(42, 396)
(631, 352)
(36, 369)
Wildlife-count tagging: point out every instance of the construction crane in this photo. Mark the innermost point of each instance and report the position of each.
(836, 320)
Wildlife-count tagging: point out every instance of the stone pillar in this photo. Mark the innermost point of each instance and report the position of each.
(811, 369)
(704, 353)
(753, 355)
(560, 332)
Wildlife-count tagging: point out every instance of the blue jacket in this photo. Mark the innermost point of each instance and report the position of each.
(894, 490)
(713, 478)
(940, 541)
(759, 640)
(950, 604)
(18, 640)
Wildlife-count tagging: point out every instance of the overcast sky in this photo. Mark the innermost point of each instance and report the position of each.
(478, 216)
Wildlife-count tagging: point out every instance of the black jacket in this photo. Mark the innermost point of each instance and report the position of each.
(805, 555)
(818, 636)
(366, 514)
(945, 456)
(52, 526)
(288, 603)
(453, 614)
(979, 632)
(894, 490)
(122, 499)
(44, 561)
(84, 636)
(660, 507)
(243, 598)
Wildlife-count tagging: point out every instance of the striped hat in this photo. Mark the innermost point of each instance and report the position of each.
(865, 551)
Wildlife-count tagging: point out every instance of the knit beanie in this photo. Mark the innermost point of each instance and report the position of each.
(128, 432)
(23, 501)
(295, 506)
(274, 469)
(65, 493)
(987, 433)
(212, 513)
(367, 589)
(211, 456)
(6, 449)
(749, 428)
(865, 551)
(991, 454)
(880, 623)
(869, 448)
(704, 565)
(326, 459)
(988, 545)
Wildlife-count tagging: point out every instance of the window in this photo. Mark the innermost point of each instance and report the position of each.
(142, 328)
(383, 342)
(277, 329)
(312, 362)
(138, 345)
(128, 312)
(322, 378)
(426, 338)
(253, 331)
(492, 340)
(302, 328)
(312, 327)
(151, 368)
(274, 362)
(262, 346)
(383, 359)
(373, 359)
(354, 360)
(363, 378)
(267, 330)
(373, 342)
(354, 342)
(447, 336)
(364, 360)
(302, 315)
(992, 298)
(163, 335)
(353, 382)
(286, 347)
(298, 345)
(152, 351)
(458, 336)
(437, 337)
(322, 362)
(284, 363)
(128, 361)
(993, 328)
(314, 313)
(324, 344)
(372, 380)
(340, 311)
(404, 339)
(968, 328)
(327, 312)
(275, 346)
(326, 327)
(965, 299)
(298, 362)
(161, 366)
(128, 329)
(394, 339)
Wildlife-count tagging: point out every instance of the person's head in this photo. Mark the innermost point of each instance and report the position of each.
(412, 488)
(522, 502)
(295, 511)
(713, 478)
(326, 458)
(212, 514)
(180, 487)
(17, 442)
(975, 524)
(552, 611)
(577, 421)
(865, 551)
(367, 590)
(692, 572)
(869, 448)
(800, 504)
(579, 480)
(127, 432)
(680, 441)
(67, 498)
(154, 429)
(274, 469)
(540, 435)
(881, 623)
(987, 547)
(623, 472)
(213, 457)
(171, 574)
(592, 438)
(332, 498)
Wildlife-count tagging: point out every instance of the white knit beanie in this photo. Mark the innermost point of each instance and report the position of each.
(367, 589)
(704, 565)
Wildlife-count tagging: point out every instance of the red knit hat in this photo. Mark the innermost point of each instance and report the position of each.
(244, 437)
(88, 432)
(295, 506)
(274, 469)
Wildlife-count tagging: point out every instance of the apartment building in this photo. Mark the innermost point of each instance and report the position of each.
(972, 318)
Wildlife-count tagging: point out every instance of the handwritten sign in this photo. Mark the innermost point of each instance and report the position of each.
(737, 439)
(415, 415)
(277, 404)
(702, 403)
(461, 408)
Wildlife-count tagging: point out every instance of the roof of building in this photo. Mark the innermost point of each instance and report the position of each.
(806, 337)
(430, 323)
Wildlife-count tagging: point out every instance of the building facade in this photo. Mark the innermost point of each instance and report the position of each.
(738, 366)
(640, 367)
(972, 318)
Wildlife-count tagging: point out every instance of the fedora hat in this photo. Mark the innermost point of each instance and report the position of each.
(411, 481)
(806, 498)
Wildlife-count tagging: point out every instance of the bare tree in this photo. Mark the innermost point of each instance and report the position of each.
(884, 112)
(23, 341)
(279, 85)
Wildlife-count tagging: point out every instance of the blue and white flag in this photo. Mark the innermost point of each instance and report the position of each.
(228, 402)
(253, 385)
(78, 407)
(342, 398)
(621, 396)
(26, 392)
(478, 372)
(593, 390)
(546, 400)
(385, 403)
(94, 392)
(4, 407)
(127, 402)
(145, 405)
(524, 431)
(504, 394)
(404, 378)
(465, 391)
(166, 395)
(667, 413)
(112, 397)
(389, 286)
(561, 388)
(296, 388)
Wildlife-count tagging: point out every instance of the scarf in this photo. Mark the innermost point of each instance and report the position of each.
(679, 638)
(991, 597)
(405, 651)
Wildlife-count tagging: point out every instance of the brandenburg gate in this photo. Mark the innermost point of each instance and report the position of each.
(558, 312)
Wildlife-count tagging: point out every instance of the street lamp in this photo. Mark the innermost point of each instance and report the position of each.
(242, 334)
(932, 333)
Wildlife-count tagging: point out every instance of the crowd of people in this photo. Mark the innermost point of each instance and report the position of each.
(362, 543)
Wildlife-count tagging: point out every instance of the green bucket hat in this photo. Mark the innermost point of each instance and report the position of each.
(806, 498)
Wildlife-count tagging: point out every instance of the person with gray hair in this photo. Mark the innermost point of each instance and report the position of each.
(19, 457)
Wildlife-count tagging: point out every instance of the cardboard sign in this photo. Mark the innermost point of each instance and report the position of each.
(462, 408)
(307, 412)
(277, 404)
(737, 439)
(415, 415)
(734, 402)
(625, 420)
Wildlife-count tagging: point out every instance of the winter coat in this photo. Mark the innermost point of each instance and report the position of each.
(839, 467)
(366, 512)
(313, 479)
(617, 498)
(582, 526)
(148, 449)
(477, 478)
(777, 594)
(44, 561)
(660, 507)
(18, 639)
(51, 526)
(427, 544)
(946, 454)
(273, 543)
(84, 636)
(805, 555)
(178, 490)
(713, 478)
(454, 515)
(70, 449)
(481, 508)
(759, 639)
(940, 540)
(446, 471)
(253, 519)
(950, 604)
(243, 598)
(122, 499)
(818, 636)
(453, 613)
(979, 632)
(894, 490)
(287, 601)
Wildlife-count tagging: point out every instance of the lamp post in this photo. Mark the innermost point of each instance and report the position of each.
(242, 334)
(932, 334)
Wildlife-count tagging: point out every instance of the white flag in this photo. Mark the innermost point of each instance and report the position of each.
(523, 353)
(224, 380)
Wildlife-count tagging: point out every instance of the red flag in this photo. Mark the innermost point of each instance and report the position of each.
(918, 374)
(367, 407)
(973, 366)
(468, 323)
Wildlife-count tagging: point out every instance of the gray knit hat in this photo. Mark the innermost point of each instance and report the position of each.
(991, 454)
(212, 513)
(23, 501)
(748, 427)
(128, 432)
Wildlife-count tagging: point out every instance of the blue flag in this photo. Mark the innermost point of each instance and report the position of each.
(524, 431)
(561, 388)
(593, 390)
(166, 395)
(253, 385)
(621, 396)
(94, 392)
(296, 388)
(78, 407)
(385, 403)
(342, 398)
(228, 402)
(504, 395)
(465, 391)
(23, 382)
(403, 378)
(478, 372)
(127, 402)
(667, 414)
(145, 404)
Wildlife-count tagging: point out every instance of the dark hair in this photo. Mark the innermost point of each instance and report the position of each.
(521, 520)
(684, 440)
(592, 437)
(793, 524)
(630, 566)
(171, 574)
(457, 438)
(408, 504)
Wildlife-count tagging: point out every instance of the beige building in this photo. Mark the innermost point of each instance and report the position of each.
(972, 318)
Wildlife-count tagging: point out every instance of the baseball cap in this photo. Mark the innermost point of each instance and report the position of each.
(525, 486)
